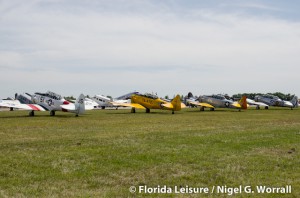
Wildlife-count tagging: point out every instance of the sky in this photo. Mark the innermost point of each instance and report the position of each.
(168, 47)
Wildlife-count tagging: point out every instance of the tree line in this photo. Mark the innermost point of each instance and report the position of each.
(278, 94)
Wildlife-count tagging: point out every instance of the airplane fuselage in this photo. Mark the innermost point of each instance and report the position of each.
(217, 101)
(49, 102)
(273, 101)
(147, 102)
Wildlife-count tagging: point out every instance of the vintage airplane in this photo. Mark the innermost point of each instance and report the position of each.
(219, 101)
(48, 101)
(257, 104)
(272, 100)
(88, 103)
(150, 101)
(104, 101)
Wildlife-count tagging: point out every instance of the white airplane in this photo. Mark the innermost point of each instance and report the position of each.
(89, 104)
(48, 101)
(257, 104)
(104, 102)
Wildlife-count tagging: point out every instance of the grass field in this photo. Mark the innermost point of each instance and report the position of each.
(104, 152)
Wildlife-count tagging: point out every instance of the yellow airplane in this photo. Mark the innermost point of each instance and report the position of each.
(149, 101)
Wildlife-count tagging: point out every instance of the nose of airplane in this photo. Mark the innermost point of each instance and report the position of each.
(288, 104)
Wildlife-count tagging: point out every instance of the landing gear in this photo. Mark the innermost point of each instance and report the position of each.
(266, 107)
(31, 113)
(212, 109)
(132, 110)
(103, 107)
(11, 108)
(172, 111)
(201, 108)
(257, 107)
(52, 113)
(147, 110)
(76, 115)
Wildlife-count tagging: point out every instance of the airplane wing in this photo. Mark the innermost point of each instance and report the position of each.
(202, 104)
(71, 107)
(252, 102)
(206, 105)
(16, 104)
(135, 105)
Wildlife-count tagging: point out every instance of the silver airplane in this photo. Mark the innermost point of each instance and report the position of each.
(275, 101)
(219, 101)
(48, 101)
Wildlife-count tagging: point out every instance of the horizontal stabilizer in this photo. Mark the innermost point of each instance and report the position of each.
(70, 107)
(236, 105)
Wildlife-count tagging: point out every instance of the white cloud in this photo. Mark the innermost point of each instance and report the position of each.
(117, 50)
(259, 6)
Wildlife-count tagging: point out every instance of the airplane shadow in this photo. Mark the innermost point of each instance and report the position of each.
(155, 113)
(36, 116)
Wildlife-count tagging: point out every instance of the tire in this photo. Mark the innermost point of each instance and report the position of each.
(52, 113)
(31, 113)
(133, 110)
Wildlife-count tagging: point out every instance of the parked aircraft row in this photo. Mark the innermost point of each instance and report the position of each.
(48, 101)
(53, 102)
(259, 101)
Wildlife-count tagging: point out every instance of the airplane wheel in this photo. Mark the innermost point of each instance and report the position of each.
(11, 108)
(103, 107)
(76, 115)
(172, 112)
(31, 113)
(212, 109)
(257, 107)
(266, 107)
(133, 110)
(147, 110)
(201, 108)
(52, 113)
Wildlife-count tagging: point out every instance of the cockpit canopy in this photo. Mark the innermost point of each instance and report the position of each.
(148, 95)
(219, 97)
(50, 95)
(271, 97)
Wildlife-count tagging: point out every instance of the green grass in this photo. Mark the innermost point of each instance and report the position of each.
(104, 152)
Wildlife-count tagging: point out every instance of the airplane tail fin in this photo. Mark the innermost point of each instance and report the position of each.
(243, 102)
(79, 105)
(176, 102)
(294, 101)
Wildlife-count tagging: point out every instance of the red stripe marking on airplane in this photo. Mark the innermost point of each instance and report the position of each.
(33, 107)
